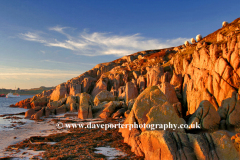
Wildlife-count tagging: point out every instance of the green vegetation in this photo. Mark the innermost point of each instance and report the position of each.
(31, 91)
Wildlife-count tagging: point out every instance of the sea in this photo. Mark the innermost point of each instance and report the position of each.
(8, 123)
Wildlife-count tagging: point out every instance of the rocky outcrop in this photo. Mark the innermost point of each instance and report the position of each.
(87, 84)
(29, 113)
(199, 83)
(131, 91)
(169, 92)
(85, 108)
(74, 89)
(154, 75)
(230, 110)
(151, 107)
(101, 85)
(165, 145)
(141, 82)
(71, 99)
(206, 116)
(59, 92)
(109, 109)
(103, 96)
(215, 145)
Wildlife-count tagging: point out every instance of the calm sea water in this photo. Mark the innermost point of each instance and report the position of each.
(5, 102)
(6, 124)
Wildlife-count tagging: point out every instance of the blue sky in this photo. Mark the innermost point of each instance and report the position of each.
(47, 42)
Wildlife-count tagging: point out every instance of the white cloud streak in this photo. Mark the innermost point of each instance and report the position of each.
(31, 73)
(94, 44)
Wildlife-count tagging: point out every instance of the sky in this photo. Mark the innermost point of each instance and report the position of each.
(47, 42)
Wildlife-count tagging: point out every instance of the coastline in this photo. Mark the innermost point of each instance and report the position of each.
(34, 128)
(29, 140)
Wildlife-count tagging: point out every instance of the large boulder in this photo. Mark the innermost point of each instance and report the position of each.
(230, 110)
(29, 113)
(151, 107)
(100, 86)
(40, 101)
(154, 75)
(24, 103)
(59, 92)
(97, 110)
(207, 116)
(74, 89)
(169, 92)
(215, 145)
(85, 109)
(164, 145)
(131, 91)
(71, 99)
(103, 96)
(38, 114)
(109, 108)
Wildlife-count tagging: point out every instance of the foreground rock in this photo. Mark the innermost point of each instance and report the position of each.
(103, 96)
(151, 107)
(207, 116)
(85, 108)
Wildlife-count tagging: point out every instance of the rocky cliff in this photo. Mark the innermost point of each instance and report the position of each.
(194, 83)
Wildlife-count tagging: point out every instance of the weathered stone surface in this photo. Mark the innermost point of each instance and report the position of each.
(85, 109)
(141, 82)
(165, 145)
(236, 141)
(230, 111)
(97, 110)
(38, 114)
(100, 86)
(24, 103)
(87, 83)
(103, 96)
(130, 104)
(71, 99)
(54, 104)
(207, 116)
(74, 89)
(154, 75)
(169, 92)
(176, 81)
(42, 101)
(131, 91)
(119, 113)
(59, 92)
(29, 113)
(74, 107)
(127, 113)
(216, 145)
(109, 109)
(122, 92)
(61, 109)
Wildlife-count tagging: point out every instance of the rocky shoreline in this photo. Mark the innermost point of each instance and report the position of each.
(190, 84)
(42, 140)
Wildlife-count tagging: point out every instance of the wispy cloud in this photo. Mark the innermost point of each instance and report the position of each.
(93, 44)
(32, 73)
(51, 61)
